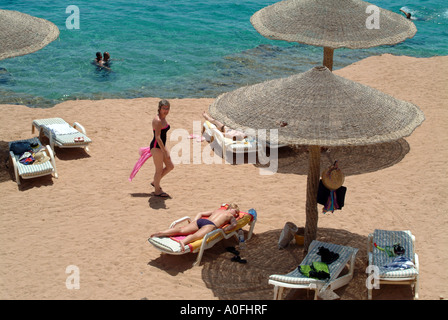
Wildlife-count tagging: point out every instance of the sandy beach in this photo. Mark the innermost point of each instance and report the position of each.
(93, 218)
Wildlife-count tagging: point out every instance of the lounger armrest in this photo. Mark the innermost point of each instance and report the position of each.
(370, 258)
(416, 263)
(174, 223)
(78, 125)
(53, 162)
(217, 231)
(212, 233)
(14, 164)
(369, 245)
(49, 152)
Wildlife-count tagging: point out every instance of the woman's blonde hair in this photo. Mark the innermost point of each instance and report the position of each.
(234, 206)
(162, 103)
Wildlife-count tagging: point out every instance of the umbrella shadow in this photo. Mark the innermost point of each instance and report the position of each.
(236, 281)
(352, 160)
(6, 171)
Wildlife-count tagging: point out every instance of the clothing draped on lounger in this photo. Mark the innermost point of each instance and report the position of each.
(145, 154)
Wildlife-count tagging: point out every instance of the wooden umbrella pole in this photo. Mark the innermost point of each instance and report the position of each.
(328, 58)
(311, 195)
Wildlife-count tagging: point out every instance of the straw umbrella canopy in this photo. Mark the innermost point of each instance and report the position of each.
(22, 34)
(317, 108)
(331, 24)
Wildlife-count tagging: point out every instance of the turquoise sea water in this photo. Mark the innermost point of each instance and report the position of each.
(178, 49)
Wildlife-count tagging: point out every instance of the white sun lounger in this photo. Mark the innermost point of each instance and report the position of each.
(33, 170)
(211, 133)
(61, 134)
(230, 147)
(379, 260)
(297, 280)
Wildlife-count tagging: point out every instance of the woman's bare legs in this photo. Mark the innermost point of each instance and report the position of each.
(159, 160)
(191, 231)
(178, 231)
(195, 236)
(218, 124)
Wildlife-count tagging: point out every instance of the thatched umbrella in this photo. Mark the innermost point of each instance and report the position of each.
(22, 34)
(332, 24)
(319, 109)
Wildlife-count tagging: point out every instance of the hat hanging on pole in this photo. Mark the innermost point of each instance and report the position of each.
(332, 177)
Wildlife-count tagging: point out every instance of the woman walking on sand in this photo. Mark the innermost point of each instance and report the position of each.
(157, 150)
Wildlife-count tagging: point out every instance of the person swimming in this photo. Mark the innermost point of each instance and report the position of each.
(100, 62)
(407, 14)
(412, 17)
(106, 59)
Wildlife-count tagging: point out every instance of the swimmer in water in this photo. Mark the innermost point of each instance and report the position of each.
(106, 59)
(99, 62)
(408, 15)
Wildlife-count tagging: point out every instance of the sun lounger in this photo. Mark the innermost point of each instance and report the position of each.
(229, 147)
(323, 288)
(61, 134)
(171, 245)
(385, 267)
(27, 171)
(211, 133)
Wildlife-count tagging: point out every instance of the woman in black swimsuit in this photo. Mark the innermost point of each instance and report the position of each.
(159, 151)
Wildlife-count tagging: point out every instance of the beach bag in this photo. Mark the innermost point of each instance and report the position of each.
(20, 147)
(288, 232)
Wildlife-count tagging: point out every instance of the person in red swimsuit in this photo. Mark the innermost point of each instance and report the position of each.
(159, 151)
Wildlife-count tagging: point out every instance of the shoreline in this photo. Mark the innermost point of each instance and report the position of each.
(94, 218)
(38, 102)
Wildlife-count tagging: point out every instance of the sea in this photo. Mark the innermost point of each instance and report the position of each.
(178, 49)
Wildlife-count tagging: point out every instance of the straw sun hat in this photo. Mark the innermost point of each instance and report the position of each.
(40, 157)
(22, 34)
(333, 178)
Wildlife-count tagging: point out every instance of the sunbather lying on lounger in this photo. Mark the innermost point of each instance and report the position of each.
(228, 133)
(200, 226)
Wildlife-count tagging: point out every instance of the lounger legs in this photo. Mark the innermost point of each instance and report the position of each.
(278, 292)
(16, 171)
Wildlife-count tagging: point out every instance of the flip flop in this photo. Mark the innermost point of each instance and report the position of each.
(162, 195)
(238, 259)
(233, 250)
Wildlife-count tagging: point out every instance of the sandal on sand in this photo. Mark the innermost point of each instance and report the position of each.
(238, 259)
(162, 195)
(233, 250)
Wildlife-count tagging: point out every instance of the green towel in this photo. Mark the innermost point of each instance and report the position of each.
(317, 270)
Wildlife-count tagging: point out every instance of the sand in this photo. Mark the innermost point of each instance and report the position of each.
(94, 220)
